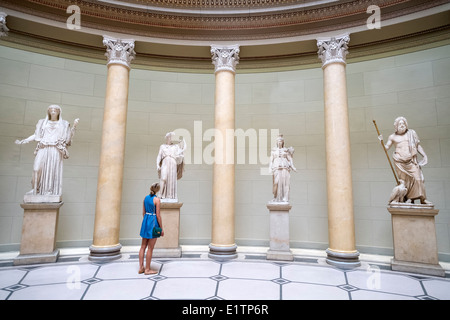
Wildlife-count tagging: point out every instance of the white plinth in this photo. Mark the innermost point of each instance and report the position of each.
(279, 232)
(38, 198)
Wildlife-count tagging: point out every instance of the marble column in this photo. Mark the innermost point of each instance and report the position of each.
(341, 229)
(106, 244)
(223, 246)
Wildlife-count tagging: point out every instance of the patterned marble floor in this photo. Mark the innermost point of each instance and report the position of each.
(195, 276)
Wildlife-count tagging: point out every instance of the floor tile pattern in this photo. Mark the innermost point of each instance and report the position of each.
(197, 277)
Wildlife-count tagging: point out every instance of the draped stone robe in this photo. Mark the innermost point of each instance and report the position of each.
(53, 138)
(170, 159)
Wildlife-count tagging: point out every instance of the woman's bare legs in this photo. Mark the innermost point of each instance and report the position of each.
(148, 260)
(144, 245)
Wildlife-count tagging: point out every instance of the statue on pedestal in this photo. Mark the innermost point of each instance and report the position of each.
(53, 136)
(170, 166)
(409, 169)
(413, 225)
(281, 164)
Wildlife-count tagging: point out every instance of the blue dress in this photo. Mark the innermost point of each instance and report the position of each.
(149, 221)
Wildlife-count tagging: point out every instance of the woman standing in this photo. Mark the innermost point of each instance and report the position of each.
(152, 218)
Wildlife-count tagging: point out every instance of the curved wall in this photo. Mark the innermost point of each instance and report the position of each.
(415, 85)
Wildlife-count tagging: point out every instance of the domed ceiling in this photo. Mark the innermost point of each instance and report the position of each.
(273, 34)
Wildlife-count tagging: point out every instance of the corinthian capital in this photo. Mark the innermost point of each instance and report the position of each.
(3, 28)
(119, 51)
(333, 49)
(225, 57)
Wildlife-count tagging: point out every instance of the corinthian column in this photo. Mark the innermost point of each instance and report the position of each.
(341, 229)
(106, 244)
(223, 244)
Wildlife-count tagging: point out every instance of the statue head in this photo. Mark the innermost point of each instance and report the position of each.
(169, 137)
(53, 112)
(400, 125)
(280, 141)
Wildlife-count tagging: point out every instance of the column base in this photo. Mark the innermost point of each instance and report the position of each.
(105, 254)
(343, 260)
(222, 252)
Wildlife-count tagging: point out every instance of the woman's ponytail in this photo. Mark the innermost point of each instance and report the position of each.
(154, 188)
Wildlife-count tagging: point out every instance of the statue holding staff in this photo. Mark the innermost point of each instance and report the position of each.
(408, 167)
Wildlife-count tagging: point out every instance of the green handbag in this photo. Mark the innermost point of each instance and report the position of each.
(156, 232)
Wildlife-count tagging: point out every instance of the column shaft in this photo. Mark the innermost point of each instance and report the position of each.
(223, 238)
(110, 175)
(106, 244)
(339, 173)
(223, 171)
(341, 229)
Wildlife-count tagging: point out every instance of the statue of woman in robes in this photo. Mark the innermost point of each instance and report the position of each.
(53, 136)
(170, 166)
(281, 164)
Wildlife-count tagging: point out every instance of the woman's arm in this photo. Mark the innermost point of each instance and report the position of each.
(157, 203)
(143, 209)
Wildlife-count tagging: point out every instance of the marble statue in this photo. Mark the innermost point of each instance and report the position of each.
(3, 28)
(170, 166)
(398, 193)
(281, 164)
(409, 169)
(53, 136)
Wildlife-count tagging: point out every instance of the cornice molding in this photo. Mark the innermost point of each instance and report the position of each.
(259, 51)
(295, 61)
(279, 19)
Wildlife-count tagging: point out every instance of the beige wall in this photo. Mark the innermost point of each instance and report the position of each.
(415, 85)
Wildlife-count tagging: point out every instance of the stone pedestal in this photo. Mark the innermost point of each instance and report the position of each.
(279, 231)
(39, 227)
(414, 235)
(169, 245)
